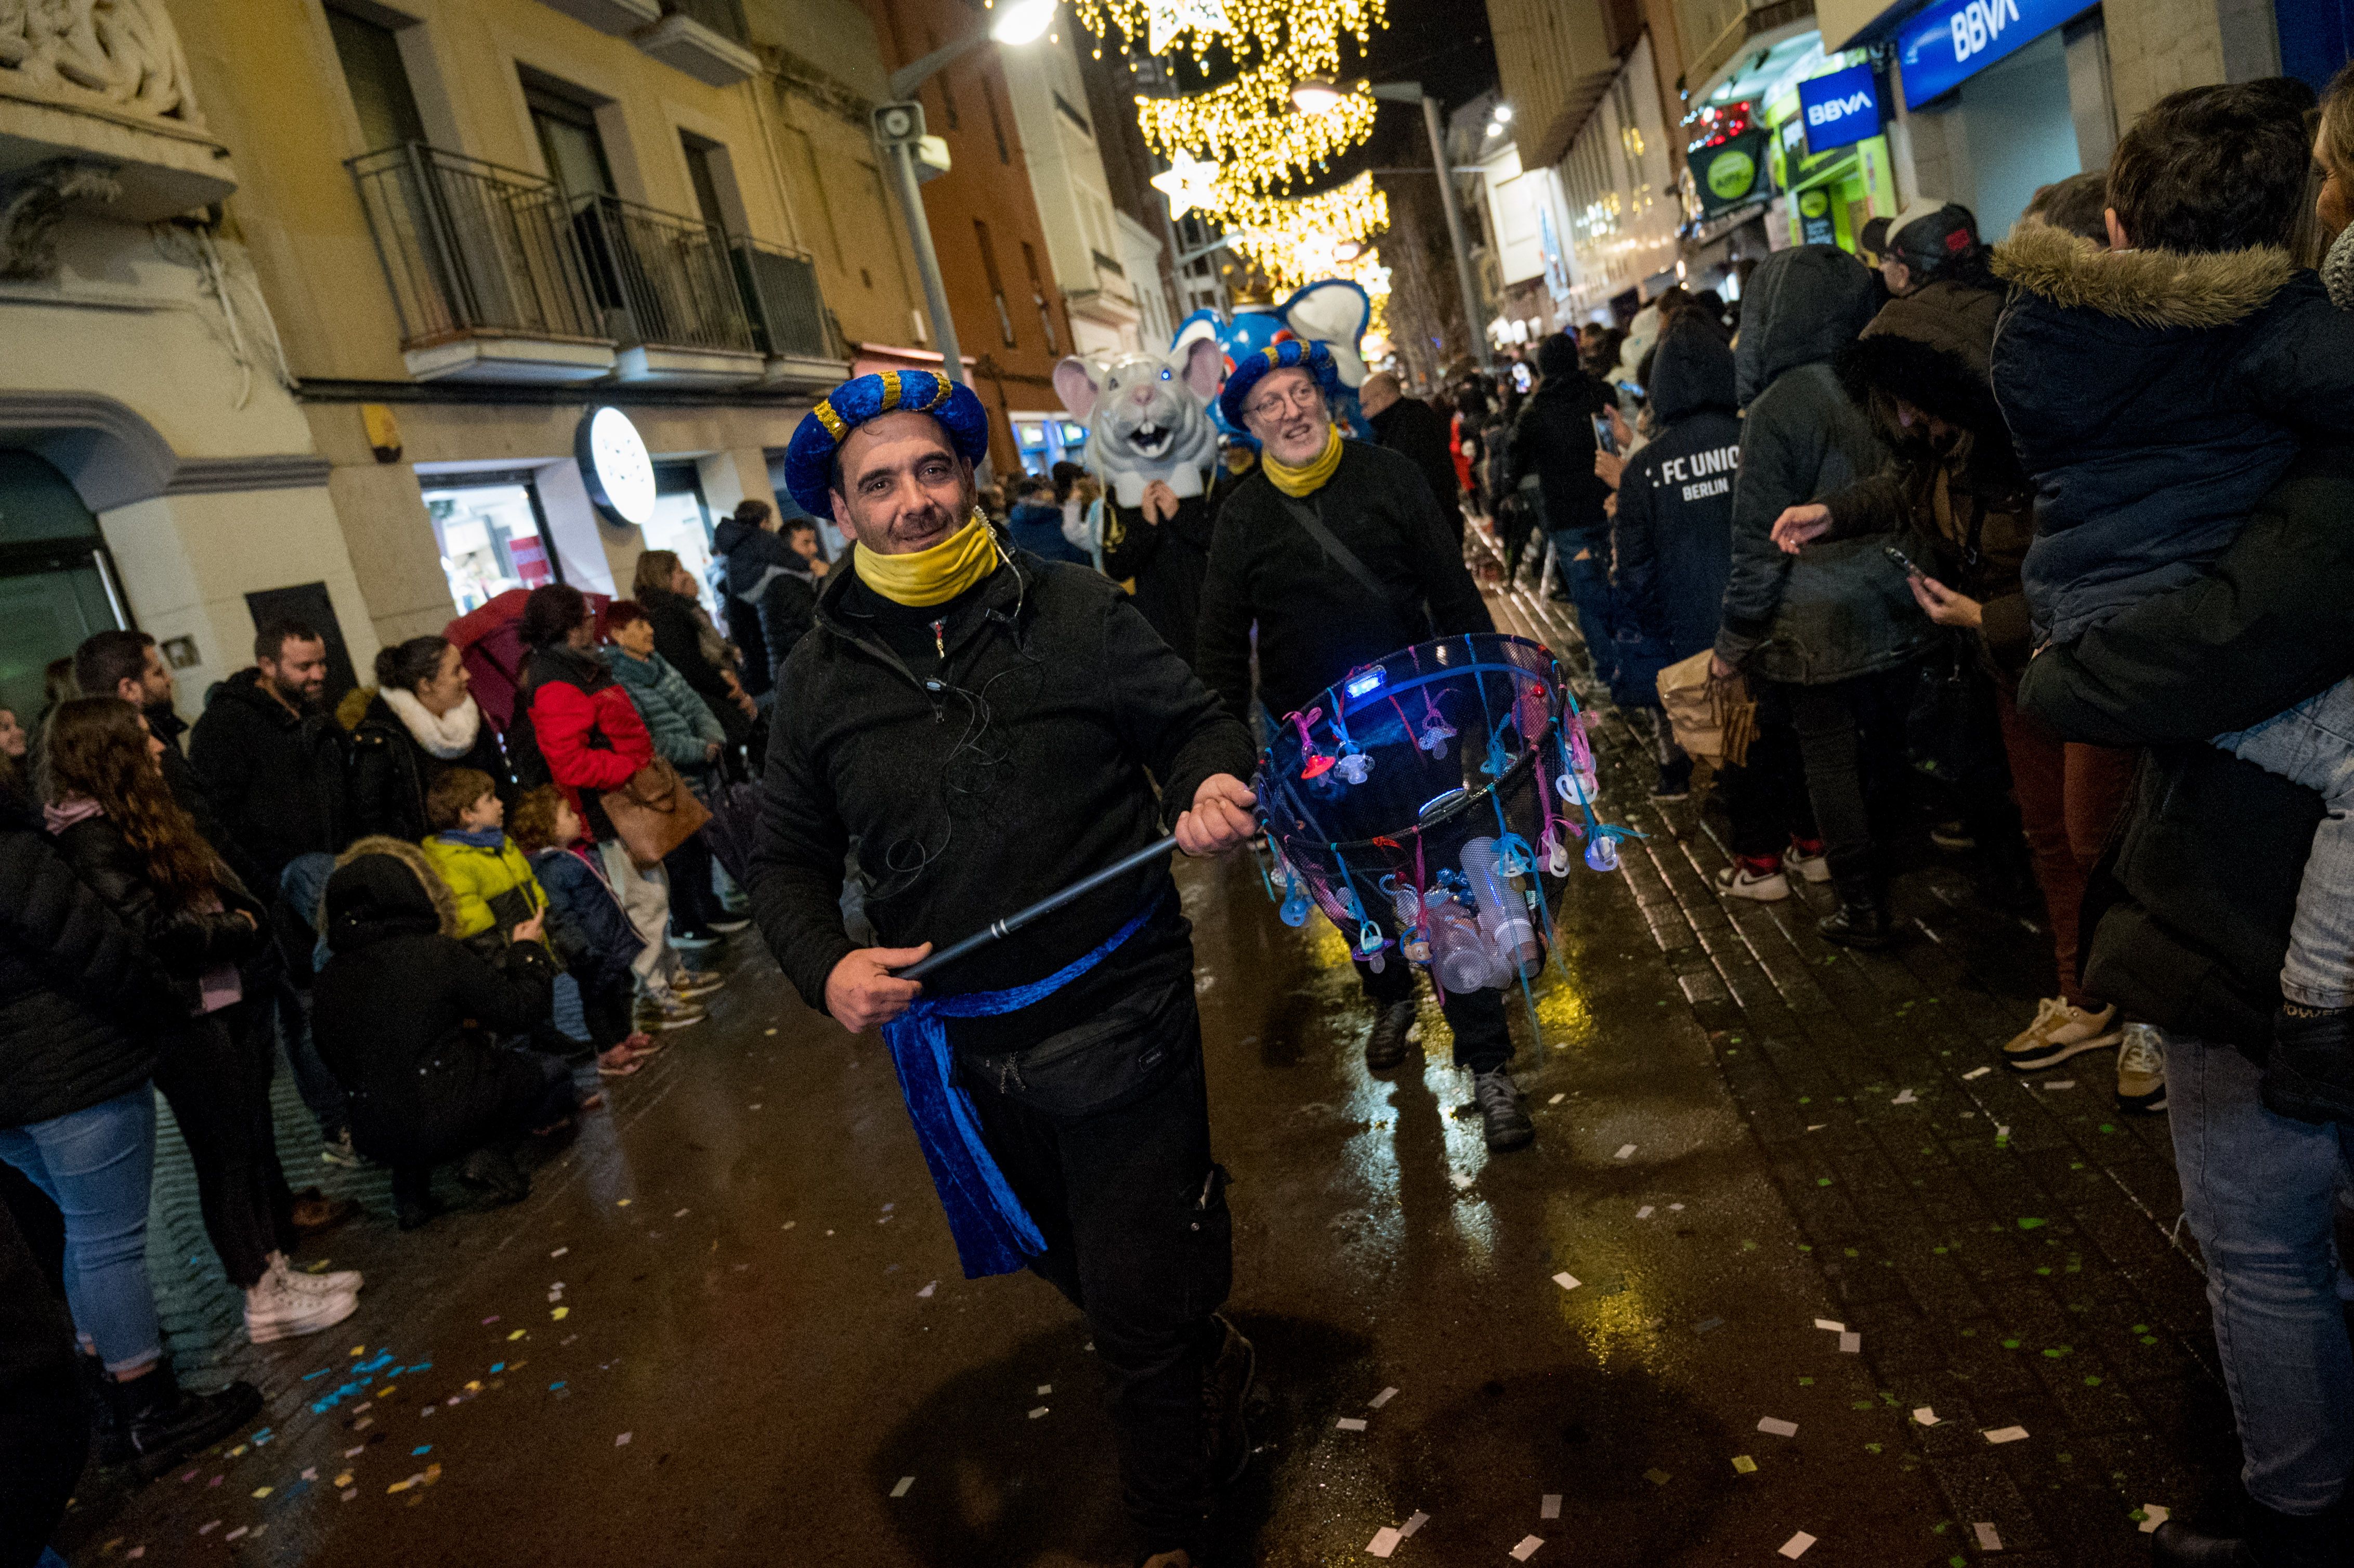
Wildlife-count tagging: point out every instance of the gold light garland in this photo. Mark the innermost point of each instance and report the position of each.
(1249, 128)
(1300, 38)
(1298, 241)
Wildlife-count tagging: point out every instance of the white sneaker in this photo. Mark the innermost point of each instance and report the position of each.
(2061, 1030)
(1737, 881)
(334, 1282)
(275, 1309)
(1813, 867)
(2141, 1070)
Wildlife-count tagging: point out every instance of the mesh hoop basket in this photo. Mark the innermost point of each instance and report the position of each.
(1416, 801)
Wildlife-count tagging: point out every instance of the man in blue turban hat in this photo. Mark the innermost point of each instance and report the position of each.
(986, 728)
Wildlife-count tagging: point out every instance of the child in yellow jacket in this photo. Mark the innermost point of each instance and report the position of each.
(470, 849)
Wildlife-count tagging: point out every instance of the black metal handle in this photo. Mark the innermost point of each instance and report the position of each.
(1047, 905)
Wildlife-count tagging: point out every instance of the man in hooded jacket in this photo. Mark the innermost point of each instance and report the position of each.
(1671, 540)
(749, 543)
(1829, 638)
(1553, 442)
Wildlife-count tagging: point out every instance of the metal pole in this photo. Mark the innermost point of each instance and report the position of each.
(998, 929)
(927, 261)
(1471, 321)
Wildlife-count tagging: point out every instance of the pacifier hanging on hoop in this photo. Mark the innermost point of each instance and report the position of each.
(1315, 764)
(1436, 731)
(1354, 766)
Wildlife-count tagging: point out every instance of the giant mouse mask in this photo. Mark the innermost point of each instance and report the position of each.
(1147, 417)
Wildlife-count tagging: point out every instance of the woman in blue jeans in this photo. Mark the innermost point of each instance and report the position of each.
(82, 1007)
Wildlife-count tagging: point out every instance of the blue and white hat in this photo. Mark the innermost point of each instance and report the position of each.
(809, 460)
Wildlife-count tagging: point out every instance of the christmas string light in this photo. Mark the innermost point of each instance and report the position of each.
(1249, 128)
(1301, 37)
(1300, 241)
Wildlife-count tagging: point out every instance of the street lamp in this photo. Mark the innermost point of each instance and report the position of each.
(1318, 96)
(899, 127)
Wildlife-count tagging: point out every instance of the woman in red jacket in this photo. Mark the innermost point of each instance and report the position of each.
(590, 736)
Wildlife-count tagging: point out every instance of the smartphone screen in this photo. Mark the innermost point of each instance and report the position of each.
(1604, 437)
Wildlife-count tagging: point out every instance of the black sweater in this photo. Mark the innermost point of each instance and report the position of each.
(82, 1001)
(1031, 766)
(1316, 621)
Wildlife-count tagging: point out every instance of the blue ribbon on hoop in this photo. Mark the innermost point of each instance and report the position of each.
(994, 1233)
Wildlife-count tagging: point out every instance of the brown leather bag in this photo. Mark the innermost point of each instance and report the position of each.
(654, 812)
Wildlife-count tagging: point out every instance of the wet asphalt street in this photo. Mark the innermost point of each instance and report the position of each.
(728, 1326)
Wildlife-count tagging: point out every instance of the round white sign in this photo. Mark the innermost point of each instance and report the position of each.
(619, 465)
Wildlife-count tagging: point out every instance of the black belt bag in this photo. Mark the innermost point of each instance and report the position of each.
(1112, 1060)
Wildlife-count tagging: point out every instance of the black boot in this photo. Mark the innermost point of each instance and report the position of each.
(1861, 919)
(1385, 1046)
(489, 1170)
(413, 1204)
(156, 1423)
(2267, 1538)
(1226, 1395)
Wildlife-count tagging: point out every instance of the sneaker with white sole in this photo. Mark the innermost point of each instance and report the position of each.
(653, 1017)
(692, 983)
(2141, 1070)
(327, 1282)
(276, 1310)
(338, 1150)
(1737, 881)
(1815, 868)
(2061, 1030)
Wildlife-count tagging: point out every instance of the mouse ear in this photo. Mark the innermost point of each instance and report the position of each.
(1075, 383)
(1205, 368)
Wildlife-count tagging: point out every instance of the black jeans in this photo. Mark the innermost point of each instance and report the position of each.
(693, 904)
(1766, 797)
(1138, 1239)
(1482, 1043)
(1851, 741)
(215, 1075)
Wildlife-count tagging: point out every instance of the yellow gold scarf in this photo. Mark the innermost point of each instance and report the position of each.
(1309, 475)
(936, 575)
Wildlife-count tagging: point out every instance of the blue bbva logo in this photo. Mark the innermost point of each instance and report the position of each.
(1978, 23)
(1835, 109)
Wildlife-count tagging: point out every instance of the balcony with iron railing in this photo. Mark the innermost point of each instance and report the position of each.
(705, 38)
(500, 275)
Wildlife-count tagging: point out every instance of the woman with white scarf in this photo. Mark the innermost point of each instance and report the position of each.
(421, 721)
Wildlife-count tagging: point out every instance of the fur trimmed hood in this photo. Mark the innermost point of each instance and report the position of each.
(1933, 349)
(2145, 288)
(445, 903)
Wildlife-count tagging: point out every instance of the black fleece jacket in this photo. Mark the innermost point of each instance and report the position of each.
(277, 780)
(82, 1001)
(1316, 621)
(2188, 917)
(978, 784)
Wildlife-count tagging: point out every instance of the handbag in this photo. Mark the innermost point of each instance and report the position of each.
(654, 812)
(1952, 731)
(1713, 720)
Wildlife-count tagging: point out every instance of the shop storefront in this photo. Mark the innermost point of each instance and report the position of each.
(1830, 153)
(1044, 440)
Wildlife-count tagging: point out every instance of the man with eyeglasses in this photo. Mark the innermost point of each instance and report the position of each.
(1339, 554)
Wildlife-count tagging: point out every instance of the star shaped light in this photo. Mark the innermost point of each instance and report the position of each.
(1189, 184)
(1167, 18)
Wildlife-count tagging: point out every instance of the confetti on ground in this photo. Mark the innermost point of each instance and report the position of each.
(926, 1293)
(1410, 1526)
(350, 1492)
(1037, 1413)
(1976, 1073)
(2003, 1132)
(1384, 1541)
(772, 1031)
(1380, 1399)
(1527, 1548)
(1905, 1098)
(2152, 1516)
(1776, 1426)
(518, 1334)
(1987, 1539)
(1675, 1208)
(1657, 1477)
(1350, 1424)
(1926, 1416)
(1825, 1324)
(559, 1252)
(621, 1203)
(263, 1491)
(2061, 1084)
(1045, 1388)
(1566, 1281)
(561, 1313)
(1850, 1344)
(1557, 1098)
(788, 1225)
(1796, 1545)
(904, 1481)
(491, 1319)
(1743, 1464)
(2006, 1434)
(622, 1441)
(239, 1533)
(680, 1215)
(1624, 1150)
(1708, 1326)
(1550, 1506)
(1644, 1213)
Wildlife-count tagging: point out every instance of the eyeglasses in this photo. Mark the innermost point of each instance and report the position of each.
(1304, 400)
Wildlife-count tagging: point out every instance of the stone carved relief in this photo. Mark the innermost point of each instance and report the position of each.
(119, 55)
(33, 201)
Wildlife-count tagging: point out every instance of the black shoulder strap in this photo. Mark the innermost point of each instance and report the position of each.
(1309, 518)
